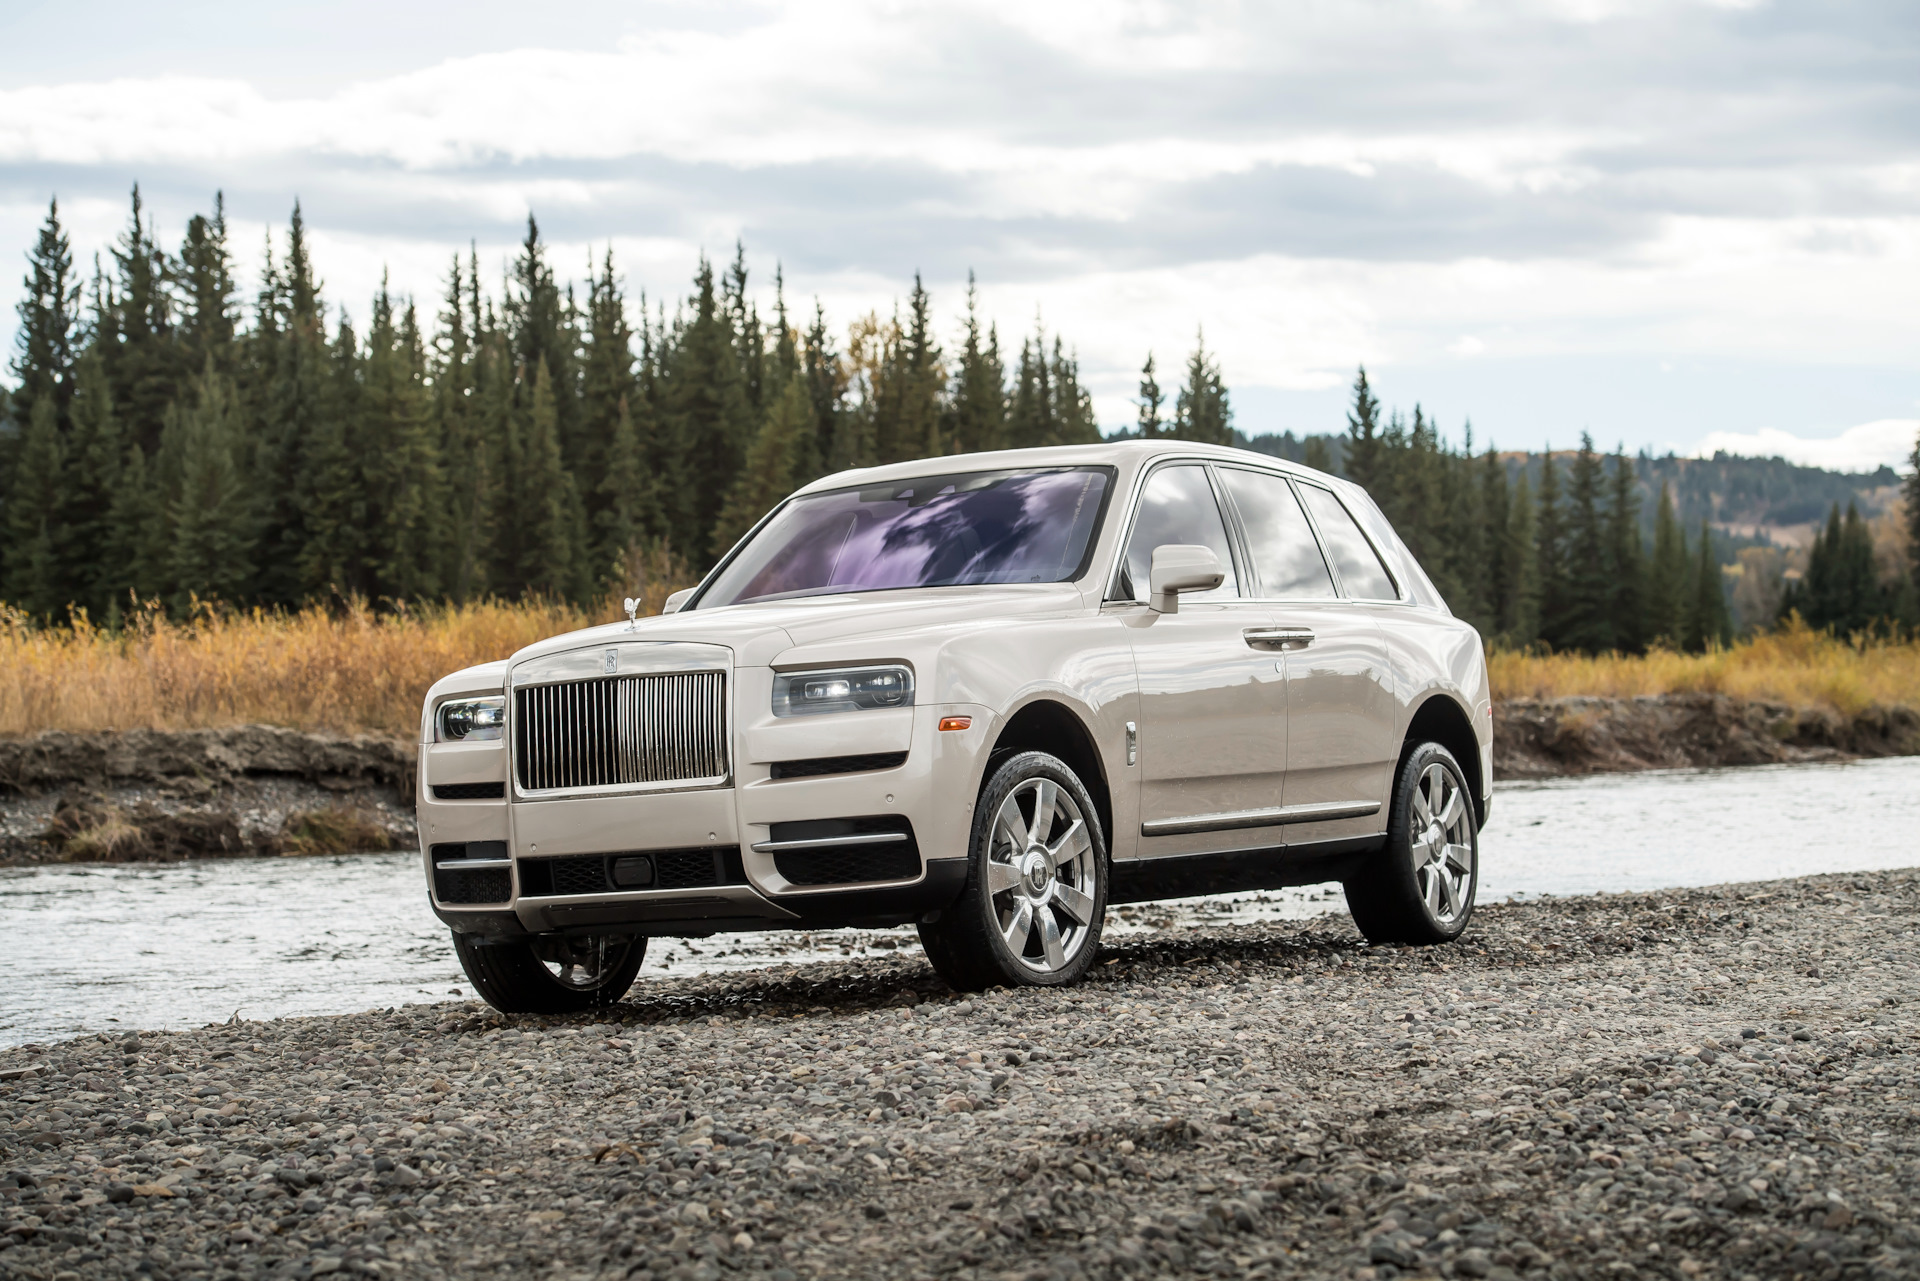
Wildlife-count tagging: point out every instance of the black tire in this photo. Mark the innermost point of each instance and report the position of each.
(518, 977)
(1055, 880)
(1413, 890)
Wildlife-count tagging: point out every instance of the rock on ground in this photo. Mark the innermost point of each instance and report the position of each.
(1702, 1083)
(1538, 738)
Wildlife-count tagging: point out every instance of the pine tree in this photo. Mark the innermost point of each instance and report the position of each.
(143, 365)
(209, 521)
(707, 418)
(404, 482)
(1200, 410)
(1709, 624)
(1667, 577)
(977, 396)
(1030, 416)
(1520, 617)
(749, 343)
(545, 503)
(1366, 464)
(462, 450)
(1626, 560)
(204, 273)
(1495, 512)
(1587, 621)
(912, 429)
(33, 512)
(1073, 419)
(49, 311)
(296, 414)
(835, 448)
(618, 511)
(92, 474)
(1550, 557)
(1151, 398)
(768, 475)
(330, 487)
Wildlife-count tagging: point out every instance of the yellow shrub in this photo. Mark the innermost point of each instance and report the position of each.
(1794, 665)
(348, 671)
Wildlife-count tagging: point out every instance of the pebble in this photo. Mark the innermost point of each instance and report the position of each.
(1695, 1083)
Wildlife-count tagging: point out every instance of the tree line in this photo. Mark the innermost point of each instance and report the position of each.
(169, 438)
(1564, 560)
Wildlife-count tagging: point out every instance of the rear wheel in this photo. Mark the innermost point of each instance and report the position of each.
(551, 975)
(1420, 887)
(1036, 891)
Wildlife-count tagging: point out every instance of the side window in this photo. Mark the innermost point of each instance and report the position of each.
(1178, 507)
(1286, 557)
(1361, 573)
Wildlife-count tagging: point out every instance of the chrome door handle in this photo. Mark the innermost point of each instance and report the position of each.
(1279, 637)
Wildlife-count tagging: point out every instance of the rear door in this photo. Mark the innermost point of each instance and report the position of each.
(1342, 710)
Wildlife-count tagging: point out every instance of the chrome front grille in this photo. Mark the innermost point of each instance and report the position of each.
(620, 731)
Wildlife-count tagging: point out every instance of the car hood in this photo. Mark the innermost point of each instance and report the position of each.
(758, 633)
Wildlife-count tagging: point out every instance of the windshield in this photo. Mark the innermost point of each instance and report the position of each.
(931, 531)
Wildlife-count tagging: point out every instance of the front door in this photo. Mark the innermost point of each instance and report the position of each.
(1212, 738)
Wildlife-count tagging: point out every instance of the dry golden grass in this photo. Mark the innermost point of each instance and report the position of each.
(1793, 665)
(355, 670)
(347, 671)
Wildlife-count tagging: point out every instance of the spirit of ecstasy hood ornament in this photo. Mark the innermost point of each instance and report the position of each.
(633, 611)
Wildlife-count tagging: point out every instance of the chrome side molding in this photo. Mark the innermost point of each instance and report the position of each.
(1319, 813)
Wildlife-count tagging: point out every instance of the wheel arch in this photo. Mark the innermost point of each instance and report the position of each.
(1441, 719)
(1047, 725)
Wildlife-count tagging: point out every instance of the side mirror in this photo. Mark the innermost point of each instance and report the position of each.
(675, 601)
(1181, 567)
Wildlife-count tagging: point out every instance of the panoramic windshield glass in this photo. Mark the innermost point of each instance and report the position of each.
(931, 531)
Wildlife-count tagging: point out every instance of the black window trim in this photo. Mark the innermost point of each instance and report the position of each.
(1229, 519)
(1238, 530)
(1403, 598)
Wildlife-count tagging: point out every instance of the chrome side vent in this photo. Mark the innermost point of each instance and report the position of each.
(621, 731)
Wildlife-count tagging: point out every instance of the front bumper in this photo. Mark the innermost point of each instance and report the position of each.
(927, 794)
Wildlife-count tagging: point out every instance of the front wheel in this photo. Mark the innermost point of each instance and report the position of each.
(1420, 887)
(1036, 891)
(551, 975)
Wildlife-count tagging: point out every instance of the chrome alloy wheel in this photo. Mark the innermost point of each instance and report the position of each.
(1442, 844)
(582, 964)
(1040, 876)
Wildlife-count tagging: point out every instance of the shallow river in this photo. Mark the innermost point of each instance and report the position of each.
(93, 948)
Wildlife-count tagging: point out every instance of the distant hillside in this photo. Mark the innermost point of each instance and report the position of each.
(1749, 500)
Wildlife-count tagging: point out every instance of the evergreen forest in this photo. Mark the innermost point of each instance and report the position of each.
(172, 438)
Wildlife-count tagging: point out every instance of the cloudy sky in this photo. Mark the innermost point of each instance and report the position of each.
(1679, 225)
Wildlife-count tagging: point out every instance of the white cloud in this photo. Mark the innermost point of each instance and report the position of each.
(1450, 183)
(1888, 442)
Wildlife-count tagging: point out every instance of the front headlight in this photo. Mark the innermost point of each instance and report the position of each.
(852, 689)
(471, 720)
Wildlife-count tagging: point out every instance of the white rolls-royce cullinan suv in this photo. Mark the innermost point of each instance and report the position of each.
(988, 695)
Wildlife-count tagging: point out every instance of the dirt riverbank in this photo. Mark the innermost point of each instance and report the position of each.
(152, 795)
(1697, 1083)
(1541, 738)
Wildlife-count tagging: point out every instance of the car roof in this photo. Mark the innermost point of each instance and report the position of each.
(1121, 453)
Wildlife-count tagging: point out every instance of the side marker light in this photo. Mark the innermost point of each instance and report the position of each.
(956, 722)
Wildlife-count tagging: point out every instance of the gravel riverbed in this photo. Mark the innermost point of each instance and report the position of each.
(1693, 1083)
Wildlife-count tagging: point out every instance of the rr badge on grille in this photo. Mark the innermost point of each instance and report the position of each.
(613, 661)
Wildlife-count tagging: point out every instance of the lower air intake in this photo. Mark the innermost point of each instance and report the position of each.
(685, 869)
(856, 862)
(489, 886)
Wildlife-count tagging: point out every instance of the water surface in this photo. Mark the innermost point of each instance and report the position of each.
(92, 948)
